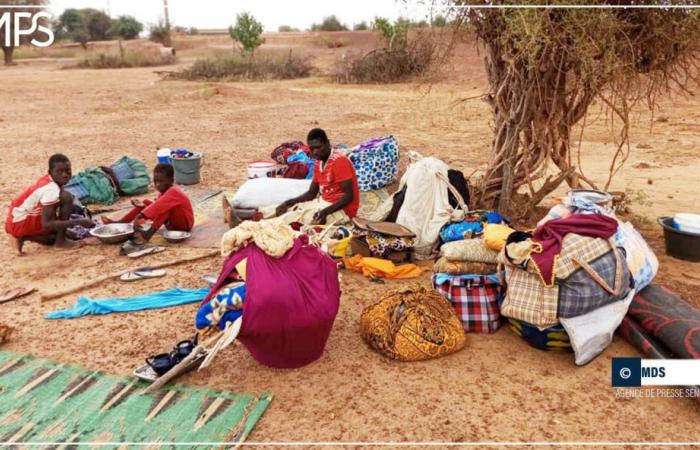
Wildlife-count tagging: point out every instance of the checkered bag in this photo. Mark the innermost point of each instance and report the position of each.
(475, 299)
(590, 273)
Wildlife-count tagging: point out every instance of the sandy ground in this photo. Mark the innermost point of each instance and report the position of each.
(497, 389)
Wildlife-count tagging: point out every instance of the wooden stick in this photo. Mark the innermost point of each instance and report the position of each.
(98, 280)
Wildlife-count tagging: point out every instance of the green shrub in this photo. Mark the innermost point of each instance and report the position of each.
(126, 27)
(389, 65)
(247, 32)
(235, 67)
(160, 32)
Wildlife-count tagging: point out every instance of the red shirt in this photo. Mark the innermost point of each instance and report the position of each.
(43, 192)
(175, 204)
(337, 169)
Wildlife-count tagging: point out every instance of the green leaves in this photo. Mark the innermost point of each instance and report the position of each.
(247, 32)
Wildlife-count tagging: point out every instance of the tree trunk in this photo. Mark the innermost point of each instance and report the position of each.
(533, 115)
(7, 51)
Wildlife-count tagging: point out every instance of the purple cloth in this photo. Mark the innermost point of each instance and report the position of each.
(290, 305)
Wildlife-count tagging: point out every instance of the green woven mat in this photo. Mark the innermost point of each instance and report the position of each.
(47, 402)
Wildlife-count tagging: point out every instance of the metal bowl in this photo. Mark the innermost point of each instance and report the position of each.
(175, 237)
(113, 233)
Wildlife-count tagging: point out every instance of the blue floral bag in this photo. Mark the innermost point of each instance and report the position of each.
(376, 162)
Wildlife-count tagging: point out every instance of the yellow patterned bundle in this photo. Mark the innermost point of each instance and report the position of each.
(412, 324)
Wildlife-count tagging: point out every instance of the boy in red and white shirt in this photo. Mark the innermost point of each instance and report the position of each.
(42, 212)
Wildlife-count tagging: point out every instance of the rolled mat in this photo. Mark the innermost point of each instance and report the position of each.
(661, 325)
(640, 339)
(669, 319)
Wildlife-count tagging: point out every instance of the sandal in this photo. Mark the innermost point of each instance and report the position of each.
(13, 294)
(133, 250)
(158, 365)
(140, 274)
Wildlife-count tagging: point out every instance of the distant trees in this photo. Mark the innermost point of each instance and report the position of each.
(126, 27)
(160, 32)
(439, 21)
(7, 36)
(286, 29)
(362, 26)
(330, 23)
(247, 32)
(97, 24)
(89, 24)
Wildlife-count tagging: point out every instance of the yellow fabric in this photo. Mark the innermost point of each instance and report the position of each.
(272, 236)
(412, 324)
(381, 268)
(241, 268)
(340, 248)
(495, 236)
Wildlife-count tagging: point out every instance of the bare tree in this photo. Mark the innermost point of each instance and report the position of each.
(7, 34)
(545, 68)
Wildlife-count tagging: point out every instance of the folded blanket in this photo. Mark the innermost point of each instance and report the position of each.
(444, 265)
(472, 250)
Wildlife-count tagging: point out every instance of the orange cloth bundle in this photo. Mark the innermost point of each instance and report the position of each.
(381, 268)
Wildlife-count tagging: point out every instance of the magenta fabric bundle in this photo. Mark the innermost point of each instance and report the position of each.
(290, 303)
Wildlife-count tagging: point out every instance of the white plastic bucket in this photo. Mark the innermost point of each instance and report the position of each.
(262, 169)
(163, 155)
(690, 223)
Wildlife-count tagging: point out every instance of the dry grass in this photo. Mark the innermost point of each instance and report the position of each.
(31, 52)
(388, 65)
(235, 67)
(129, 58)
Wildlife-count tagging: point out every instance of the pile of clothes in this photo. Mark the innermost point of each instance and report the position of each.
(104, 184)
(466, 272)
(295, 159)
(565, 285)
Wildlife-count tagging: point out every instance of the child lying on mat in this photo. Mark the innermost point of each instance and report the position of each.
(172, 208)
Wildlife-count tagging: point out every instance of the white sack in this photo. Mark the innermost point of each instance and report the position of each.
(261, 192)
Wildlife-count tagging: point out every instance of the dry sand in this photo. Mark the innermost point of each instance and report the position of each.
(497, 389)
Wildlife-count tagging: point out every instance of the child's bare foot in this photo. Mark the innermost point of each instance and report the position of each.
(106, 220)
(67, 244)
(17, 244)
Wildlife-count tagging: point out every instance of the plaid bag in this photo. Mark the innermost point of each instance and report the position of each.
(475, 299)
(528, 299)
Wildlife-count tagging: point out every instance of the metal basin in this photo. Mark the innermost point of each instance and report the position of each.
(176, 237)
(113, 233)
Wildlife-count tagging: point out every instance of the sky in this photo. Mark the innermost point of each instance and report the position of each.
(271, 13)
